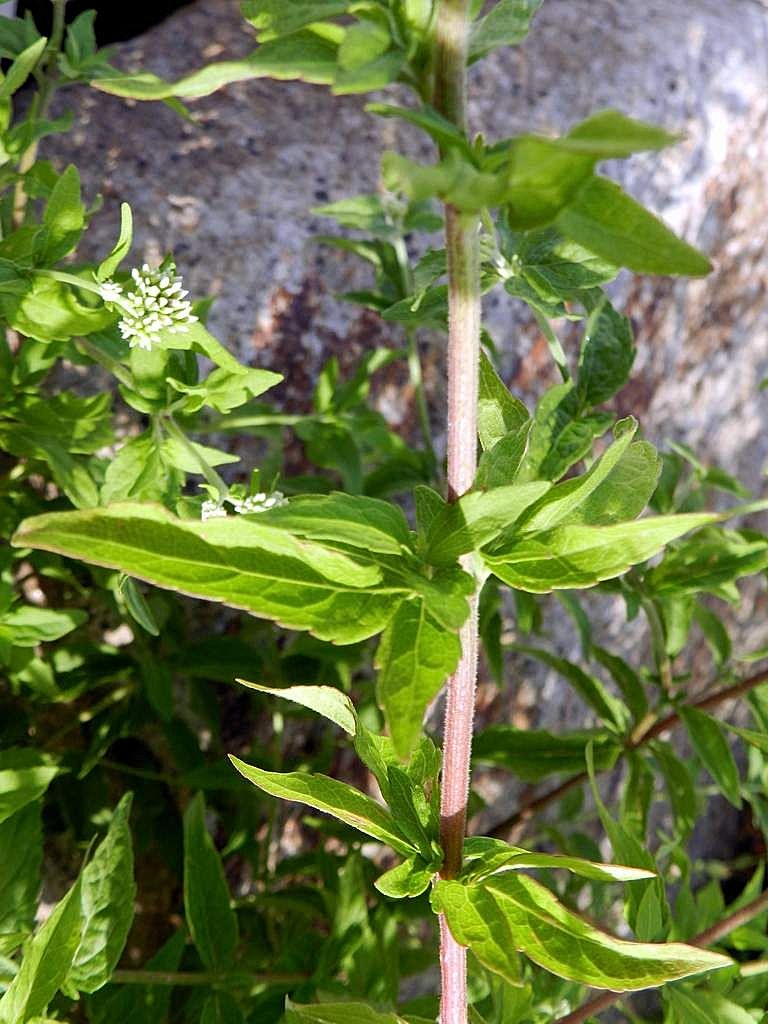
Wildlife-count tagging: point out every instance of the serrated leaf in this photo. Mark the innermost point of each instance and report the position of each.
(325, 700)
(237, 561)
(46, 962)
(580, 556)
(211, 920)
(107, 894)
(533, 754)
(603, 218)
(332, 797)
(415, 657)
(712, 747)
(532, 921)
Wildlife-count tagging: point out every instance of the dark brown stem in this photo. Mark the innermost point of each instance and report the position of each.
(510, 828)
(706, 938)
(464, 296)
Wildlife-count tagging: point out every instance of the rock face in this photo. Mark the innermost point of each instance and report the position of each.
(230, 192)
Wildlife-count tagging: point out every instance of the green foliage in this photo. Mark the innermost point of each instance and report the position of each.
(341, 579)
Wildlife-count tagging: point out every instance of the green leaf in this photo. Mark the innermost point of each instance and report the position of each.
(338, 1013)
(628, 681)
(305, 55)
(137, 605)
(616, 488)
(224, 389)
(607, 355)
(611, 134)
(500, 463)
(27, 625)
(415, 656)
(21, 68)
(332, 797)
(325, 700)
(704, 1006)
(560, 434)
(46, 962)
(498, 412)
(712, 747)
(533, 754)
(406, 880)
(240, 562)
(64, 217)
(606, 220)
(478, 518)
(221, 1008)
(679, 785)
(580, 556)
(486, 856)
(109, 265)
(506, 24)
(51, 311)
(25, 774)
(415, 816)
(275, 18)
(557, 267)
(713, 559)
(751, 736)
(589, 688)
(107, 892)
(140, 1004)
(21, 854)
(347, 519)
(440, 129)
(211, 920)
(514, 912)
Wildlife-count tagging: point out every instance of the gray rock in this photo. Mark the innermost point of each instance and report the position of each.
(230, 193)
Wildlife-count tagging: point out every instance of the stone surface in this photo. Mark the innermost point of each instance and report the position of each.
(230, 191)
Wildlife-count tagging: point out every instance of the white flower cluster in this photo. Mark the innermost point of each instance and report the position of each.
(260, 502)
(157, 303)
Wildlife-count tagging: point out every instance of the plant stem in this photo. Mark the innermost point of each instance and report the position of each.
(41, 104)
(208, 472)
(195, 978)
(464, 297)
(657, 726)
(706, 938)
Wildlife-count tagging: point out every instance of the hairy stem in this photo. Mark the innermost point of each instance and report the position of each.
(462, 245)
(706, 938)
(511, 828)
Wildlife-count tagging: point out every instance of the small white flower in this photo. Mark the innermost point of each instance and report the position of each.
(212, 510)
(157, 303)
(260, 502)
(110, 291)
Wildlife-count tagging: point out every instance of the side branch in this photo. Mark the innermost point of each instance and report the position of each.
(515, 823)
(706, 938)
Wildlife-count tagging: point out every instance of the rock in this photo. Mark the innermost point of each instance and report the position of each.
(230, 193)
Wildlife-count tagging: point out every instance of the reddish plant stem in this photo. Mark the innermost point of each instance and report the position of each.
(511, 828)
(462, 246)
(706, 938)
